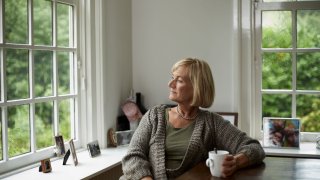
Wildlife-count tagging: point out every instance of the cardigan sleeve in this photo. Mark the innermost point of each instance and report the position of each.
(135, 164)
(235, 141)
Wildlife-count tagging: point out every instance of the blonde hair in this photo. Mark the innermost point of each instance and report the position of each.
(201, 78)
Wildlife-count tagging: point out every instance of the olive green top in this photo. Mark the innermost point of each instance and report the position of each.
(177, 141)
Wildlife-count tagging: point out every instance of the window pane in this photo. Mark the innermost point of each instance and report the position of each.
(308, 109)
(276, 105)
(308, 71)
(276, 71)
(63, 24)
(16, 21)
(64, 65)
(43, 74)
(44, 124)
(276, 29)
(18, 130)
(308, 28)
(65, 119)
(17, 74)
(42, 22)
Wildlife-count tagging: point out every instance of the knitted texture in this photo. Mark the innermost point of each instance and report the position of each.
(146, 152)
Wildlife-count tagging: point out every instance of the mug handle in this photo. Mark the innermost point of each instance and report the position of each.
(208, 162)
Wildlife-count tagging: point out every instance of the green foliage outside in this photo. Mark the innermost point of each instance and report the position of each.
(17, 74)
(277, 66)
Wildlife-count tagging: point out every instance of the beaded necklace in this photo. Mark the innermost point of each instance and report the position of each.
(186, 118)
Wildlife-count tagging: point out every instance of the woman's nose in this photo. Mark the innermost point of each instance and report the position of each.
(170, 83)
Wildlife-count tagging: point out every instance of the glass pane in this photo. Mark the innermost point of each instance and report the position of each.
(43, 74)
(276, 71)
(65, 119)
(64, 65)
(17, 74)
(276, 29)
(1, 151)
(16, 21)
(308, 28)
(308, 71)
(308, 109)
(18, 130)
(276, 105)
(44, 124)
(42, 22)
(63, 24)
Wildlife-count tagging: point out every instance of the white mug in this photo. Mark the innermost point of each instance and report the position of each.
(214, 162)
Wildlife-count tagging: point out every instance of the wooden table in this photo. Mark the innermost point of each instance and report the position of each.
(277, 168)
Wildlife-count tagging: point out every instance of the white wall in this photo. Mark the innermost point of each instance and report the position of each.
(168, 30)
(142, 39)
(108, 60)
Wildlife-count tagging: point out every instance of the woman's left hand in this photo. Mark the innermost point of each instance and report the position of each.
(229, 166)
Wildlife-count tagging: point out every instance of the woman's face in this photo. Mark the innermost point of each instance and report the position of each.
(181, 90)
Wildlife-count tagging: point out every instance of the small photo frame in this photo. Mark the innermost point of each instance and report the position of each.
(124, 137)
(93, 148)
(60, 149)
(230, 116)
(46, 165)
(281, 132)
(73, 152)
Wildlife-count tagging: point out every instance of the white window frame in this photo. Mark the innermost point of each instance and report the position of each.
(34, 156)
(257, 51)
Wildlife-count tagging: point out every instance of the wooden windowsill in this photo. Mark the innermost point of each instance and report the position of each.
(87, 167)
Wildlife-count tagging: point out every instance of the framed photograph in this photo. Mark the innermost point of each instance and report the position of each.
(124, 137)
(112, 137)
(46, 165)
(281, 132)
(60, 149)
(73, 152)
(93, 148)
(230, 116)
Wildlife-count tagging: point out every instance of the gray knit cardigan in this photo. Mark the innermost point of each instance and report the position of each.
(146, 152)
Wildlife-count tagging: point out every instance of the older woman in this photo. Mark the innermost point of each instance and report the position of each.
(171, 140)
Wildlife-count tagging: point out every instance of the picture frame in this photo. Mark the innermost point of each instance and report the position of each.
(60, 148)
(73, 152)
(46, 165)
(281, 132)
(93, 148)
(112, 137)
(124, 137)
(230, 116)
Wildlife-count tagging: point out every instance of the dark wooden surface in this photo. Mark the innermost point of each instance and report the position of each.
(273, 168)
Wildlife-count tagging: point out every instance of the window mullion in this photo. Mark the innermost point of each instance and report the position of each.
(55, 70)
(1, 21)
(4, 113)
(32, 104)
(294, 63)
(5, 149)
